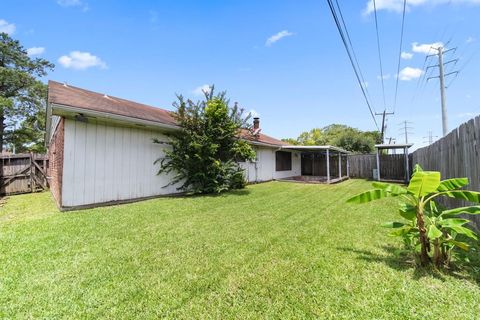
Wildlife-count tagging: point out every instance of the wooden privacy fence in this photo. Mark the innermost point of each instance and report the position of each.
(455, 155)
(362, 165)
(392, 166)
(23, 173)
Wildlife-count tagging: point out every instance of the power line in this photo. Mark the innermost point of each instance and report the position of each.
(430, 138)
(399, 54)
(384, 115)
(379, 53)
(342, 35)
(406, 129)
(441, 76)
(353, 51)
(462, 67)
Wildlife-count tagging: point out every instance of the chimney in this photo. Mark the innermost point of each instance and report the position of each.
(256, 123)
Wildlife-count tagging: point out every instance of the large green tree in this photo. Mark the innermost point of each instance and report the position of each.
(339, 135)
(204, 153)
(20, 89)
(28, 135)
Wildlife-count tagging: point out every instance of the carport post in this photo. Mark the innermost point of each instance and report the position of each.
(378, 164)
(339, 164)
(407, 169)
(348, 166)
(328, 166)
(313, 164)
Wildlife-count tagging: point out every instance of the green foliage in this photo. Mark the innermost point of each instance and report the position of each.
(204, 153)
(342, 136)
(427, 223)
(29, 135)
(20, 89)
(223, 257)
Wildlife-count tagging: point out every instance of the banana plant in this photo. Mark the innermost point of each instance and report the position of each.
(428, 225)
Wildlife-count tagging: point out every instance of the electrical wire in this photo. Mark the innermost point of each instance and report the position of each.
(353, 51)
(399, 55)
(350, 56)
(379, 54)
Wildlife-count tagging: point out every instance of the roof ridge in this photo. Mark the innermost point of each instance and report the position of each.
(110, 96)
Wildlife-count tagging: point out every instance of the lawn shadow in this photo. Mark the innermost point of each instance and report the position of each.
(402, 260)
(236, 192)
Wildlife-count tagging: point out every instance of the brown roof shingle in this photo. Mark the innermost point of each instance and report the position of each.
(68, 95)
(263, 138)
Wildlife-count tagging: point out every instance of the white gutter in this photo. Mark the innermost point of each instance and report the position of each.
(98, 114)
(262, 144)
(316, 148)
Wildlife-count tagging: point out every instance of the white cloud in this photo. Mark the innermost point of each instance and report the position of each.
(73, 3)
(406, 55)
(397, 5)
(253, 113)
(200, 91)
(365, 84)
(426, 48)
(35, 51)
(278, 36)
(385, 77)
(470, 39)
(81, 60)
(5, 27)
(409, 73)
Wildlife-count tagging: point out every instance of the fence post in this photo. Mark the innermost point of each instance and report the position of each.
(339, 165)
(407, 171)
(31, 172)
(348, 166)
(328, 166)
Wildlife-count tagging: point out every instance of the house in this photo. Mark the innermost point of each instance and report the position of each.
(101, 150)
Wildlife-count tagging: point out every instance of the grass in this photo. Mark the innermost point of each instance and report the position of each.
(274, 250)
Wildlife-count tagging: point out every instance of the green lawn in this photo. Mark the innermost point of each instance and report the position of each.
(274, 250)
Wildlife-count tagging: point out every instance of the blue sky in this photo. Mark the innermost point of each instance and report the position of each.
(301, 78)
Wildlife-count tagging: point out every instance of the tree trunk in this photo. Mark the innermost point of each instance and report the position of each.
(425, 245)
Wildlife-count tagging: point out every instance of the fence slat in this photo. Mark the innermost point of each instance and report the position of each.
(23, 173)
(455, 155)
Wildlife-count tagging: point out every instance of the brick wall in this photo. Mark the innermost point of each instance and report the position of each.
(55, 159)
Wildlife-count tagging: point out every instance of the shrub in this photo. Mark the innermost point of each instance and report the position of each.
(204, 151)
(430, 230)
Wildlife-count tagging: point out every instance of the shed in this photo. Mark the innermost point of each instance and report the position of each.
(391, 161)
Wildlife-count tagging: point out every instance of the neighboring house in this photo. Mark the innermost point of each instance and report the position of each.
(101, 150)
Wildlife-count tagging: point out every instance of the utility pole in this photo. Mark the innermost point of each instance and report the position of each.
(441, 75)
(442, 91)
(391, 140)
(406, 129)
(384, 114)
(430, 137)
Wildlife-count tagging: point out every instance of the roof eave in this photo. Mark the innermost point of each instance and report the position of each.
(262, 144)
(111, 116)
(313, 148)
(393, 146)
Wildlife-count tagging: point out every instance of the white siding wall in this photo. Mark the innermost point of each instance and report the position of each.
(106, 163)
(265, 164)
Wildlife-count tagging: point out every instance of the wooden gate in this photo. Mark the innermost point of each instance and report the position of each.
(23, 173)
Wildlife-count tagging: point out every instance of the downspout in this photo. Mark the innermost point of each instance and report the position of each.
(256, 165)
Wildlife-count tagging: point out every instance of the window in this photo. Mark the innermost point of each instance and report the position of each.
(283, 161)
